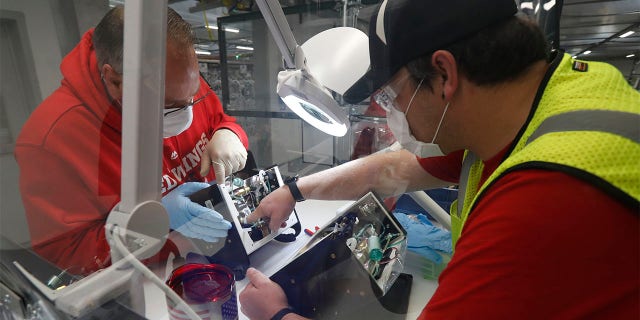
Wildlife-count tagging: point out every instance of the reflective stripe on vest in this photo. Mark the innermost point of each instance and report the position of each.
(624, 124)
(585, 124)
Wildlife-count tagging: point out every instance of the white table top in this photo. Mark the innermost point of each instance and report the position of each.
(275, 255)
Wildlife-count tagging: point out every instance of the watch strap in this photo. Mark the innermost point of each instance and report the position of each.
(283, 312)
(293, 188)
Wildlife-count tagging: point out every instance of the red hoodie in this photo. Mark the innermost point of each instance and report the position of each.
(69, 153)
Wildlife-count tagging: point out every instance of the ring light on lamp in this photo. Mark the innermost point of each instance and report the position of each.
(311, 102)
(335, 59)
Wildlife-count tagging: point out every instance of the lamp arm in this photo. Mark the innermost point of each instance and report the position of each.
(280, 30)
(142, 101)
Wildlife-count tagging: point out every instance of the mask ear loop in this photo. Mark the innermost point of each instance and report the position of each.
(440, 123)
(413, 96)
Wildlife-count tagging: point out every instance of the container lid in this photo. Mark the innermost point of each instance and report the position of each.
(200, 283)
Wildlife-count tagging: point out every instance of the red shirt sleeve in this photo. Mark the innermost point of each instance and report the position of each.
(543, 245)
(446, 168)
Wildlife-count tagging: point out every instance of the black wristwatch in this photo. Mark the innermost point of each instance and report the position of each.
(283, 312)
(293, 188)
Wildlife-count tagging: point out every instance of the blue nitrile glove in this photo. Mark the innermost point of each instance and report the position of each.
(191, 219)
(423, 237)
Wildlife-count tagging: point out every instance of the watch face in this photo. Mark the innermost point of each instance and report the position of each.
(291, 179)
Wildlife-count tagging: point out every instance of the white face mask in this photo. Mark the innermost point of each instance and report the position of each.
(399, 126)
(177, 120)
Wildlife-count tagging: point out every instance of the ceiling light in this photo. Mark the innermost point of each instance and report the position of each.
(626, 34)
(526, 5)
(630, 55)
(244, 48)
(234, 30)
(587, 52)
(548, 5)
(203, 52)
(574, 57)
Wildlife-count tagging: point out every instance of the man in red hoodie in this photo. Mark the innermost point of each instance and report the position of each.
(69, 151)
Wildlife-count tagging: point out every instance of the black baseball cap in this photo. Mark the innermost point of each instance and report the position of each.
(403, 30)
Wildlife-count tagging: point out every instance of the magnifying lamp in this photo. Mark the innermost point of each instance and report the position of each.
(331, 60)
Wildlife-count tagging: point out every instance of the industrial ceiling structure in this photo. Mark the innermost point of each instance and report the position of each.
(601, 30)
(606, 30)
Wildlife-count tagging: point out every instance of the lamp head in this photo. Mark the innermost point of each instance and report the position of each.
(311, 102)
(331, 60)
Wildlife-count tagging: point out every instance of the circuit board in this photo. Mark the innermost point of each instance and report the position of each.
(246, 195)
(373, 235)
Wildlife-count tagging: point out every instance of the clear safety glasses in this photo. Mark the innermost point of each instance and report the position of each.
(190, 104)
(386, 96)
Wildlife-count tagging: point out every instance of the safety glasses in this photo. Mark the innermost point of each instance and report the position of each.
(190, 104)
(386, 96)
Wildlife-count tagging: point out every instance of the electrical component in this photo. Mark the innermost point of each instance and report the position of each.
(236, 200)
(352, 243)
(374, 237)
(246, 195)
(375, 254)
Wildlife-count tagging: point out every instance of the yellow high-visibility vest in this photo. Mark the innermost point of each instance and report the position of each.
(586, 124)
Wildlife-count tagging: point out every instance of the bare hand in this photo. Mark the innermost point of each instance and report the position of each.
(261, 298)
(276, 206)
